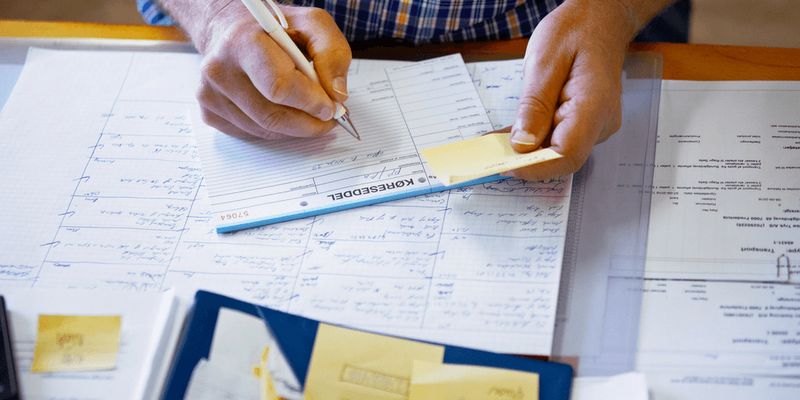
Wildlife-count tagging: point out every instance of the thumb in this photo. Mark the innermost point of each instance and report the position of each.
(332, 67)
(328, 49)
(544, 74)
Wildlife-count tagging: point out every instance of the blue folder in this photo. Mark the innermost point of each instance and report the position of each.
(295, 335)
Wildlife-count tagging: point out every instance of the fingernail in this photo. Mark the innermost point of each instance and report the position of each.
(523, 137)
(327, 113)
(340, 85)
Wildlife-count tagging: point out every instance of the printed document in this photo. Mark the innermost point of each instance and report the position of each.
(721, 308)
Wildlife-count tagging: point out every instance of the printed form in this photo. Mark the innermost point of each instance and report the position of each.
(721, 309)
(397, 111)
(98, 148)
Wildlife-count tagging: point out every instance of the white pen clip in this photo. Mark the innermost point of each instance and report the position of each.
(278, 13)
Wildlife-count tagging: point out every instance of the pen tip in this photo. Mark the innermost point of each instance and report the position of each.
(345, 122)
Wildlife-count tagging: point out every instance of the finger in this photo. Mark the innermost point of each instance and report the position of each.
(544, 77)
(573, 151)
(589, 111)
(257, 116)
(273, 73)
(317, 32)
(213, 120)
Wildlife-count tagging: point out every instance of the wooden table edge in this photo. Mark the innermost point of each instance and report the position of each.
(681, 61)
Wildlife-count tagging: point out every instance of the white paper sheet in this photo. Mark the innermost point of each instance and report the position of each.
(108, 193)
(728, 177)
(720, 311)
(238, 343)
(145, 325)
(213, 381)
(627, 386)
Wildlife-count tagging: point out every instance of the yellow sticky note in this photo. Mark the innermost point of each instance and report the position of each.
(480, 157)
(354, 365)
(76, 343)
(436, 381)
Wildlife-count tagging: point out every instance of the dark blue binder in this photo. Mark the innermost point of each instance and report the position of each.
(295, 336)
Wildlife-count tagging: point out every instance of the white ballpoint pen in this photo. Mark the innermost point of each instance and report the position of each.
(277, 32)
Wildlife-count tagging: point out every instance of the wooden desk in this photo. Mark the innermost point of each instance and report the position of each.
(681, 61)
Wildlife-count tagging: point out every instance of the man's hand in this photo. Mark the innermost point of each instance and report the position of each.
(249, 85)
(571, 96)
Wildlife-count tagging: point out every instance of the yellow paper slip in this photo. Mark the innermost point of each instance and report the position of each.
(76, 343)
(436, 381)
(480, 157)
(355, 365)
(265, 378)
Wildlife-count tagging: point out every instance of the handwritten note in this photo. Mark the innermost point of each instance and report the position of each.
(480, 157)
(76, 343)
(436, 381)
(110, 195)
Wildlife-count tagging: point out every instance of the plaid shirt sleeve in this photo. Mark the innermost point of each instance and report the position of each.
(416, 21)
(421, 21)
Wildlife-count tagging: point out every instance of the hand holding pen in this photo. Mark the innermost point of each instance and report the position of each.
(251, 86)
(277, 31)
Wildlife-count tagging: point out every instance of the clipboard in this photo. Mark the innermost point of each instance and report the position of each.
(295, 336)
